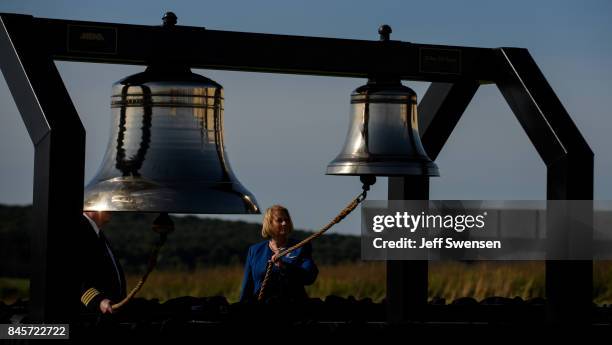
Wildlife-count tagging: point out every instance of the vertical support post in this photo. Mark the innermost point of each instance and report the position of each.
(407, 281)
(438, 112)
(569, 162)
(59, 141)
(569, 283)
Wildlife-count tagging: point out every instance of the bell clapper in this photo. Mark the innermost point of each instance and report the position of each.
(163, 225)
(367, 180)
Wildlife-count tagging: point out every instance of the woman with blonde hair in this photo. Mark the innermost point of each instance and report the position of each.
(289, 274)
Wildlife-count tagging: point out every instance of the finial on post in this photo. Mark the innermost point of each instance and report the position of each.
(385, 32)
(169, 19)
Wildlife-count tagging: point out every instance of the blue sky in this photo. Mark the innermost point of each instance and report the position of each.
(279, 141)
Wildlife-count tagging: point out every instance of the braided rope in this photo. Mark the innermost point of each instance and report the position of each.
(150, 267)
(163, 229)
(345, 212)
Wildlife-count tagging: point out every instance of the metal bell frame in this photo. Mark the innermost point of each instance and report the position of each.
(29, 46)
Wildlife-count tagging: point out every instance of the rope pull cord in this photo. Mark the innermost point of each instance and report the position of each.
(367, 180)
(163, 225)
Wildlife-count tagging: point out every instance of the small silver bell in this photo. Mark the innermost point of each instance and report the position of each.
(383, 136)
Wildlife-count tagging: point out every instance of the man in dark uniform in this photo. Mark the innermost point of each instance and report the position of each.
(102, 278)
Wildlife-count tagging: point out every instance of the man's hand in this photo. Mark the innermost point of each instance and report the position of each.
(106, 306)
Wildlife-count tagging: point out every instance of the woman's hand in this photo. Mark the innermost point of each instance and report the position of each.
(277, 260)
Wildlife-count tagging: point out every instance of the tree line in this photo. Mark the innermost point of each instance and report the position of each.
(196, 242)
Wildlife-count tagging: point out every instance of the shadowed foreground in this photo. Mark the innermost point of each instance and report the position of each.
(205, 317)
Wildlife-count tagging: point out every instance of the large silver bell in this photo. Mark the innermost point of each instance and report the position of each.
(383, 136)
(166, 151)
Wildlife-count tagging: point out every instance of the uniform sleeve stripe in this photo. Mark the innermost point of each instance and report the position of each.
(93, 294)
(89, 295)
(86, 295)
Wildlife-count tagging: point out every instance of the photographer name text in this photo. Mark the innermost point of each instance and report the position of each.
(436, 243)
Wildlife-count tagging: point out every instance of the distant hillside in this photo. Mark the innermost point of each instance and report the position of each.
(197, 242)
